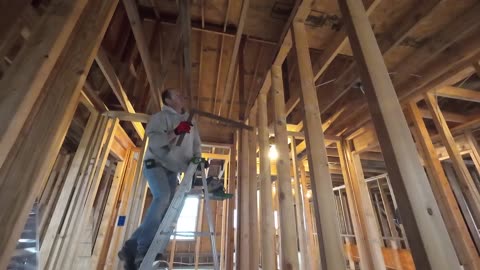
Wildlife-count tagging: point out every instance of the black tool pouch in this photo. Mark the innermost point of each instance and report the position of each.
(150, 163)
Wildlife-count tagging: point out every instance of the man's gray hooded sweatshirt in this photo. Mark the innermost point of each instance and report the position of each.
(162, 140)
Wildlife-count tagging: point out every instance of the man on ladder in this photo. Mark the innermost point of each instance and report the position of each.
(164, 159)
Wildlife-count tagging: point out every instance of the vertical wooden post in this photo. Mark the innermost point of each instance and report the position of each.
(430, 245)
(79, 161)
(99, 250)
(88, 206)
(267, 232)
(447, 203)
(45, 129)
(466, 182)
(224, 235)
(364, 224)
(327, 225)
(244, 240)
(312, 248)
(198, 238)
(288, 239)
(474, 149)
(252, 198)
(232, 186)
(299, 212)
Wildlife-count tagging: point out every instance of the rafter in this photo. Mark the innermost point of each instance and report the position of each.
(459, 93)
(114, 82)
(233, 60)
(137, 28)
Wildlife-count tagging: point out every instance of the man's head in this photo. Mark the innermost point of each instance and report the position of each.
(173, 98)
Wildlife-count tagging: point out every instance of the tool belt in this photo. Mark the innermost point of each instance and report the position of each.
(150, 163)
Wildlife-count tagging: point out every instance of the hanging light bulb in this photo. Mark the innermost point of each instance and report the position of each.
(273, 153)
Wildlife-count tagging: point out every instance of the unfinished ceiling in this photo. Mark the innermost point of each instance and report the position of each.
(426, 45)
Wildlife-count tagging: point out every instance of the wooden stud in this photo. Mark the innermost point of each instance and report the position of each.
(223, 234)
(219, 71)
(49, 123)
(430, 245)
(233, 60)
(243, 262)
(119, 231)
(289, 255)
(252, 193)
(458, 93)
(136, 205)
(366, 230)
(232, 187)
(452, 216)
(99, 252)
(327, 229)
(462, 203)
(468, 185)
(22, 84)
(88, 206)
(309, 230)
(475, 149)
(267, 228)
(185, 15)
(200, 69)
(70, 220)
(137, 28)
(299, 210)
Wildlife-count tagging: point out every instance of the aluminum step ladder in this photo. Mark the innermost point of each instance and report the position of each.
(169, 222)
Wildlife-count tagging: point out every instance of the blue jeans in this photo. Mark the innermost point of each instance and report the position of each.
(162, 184)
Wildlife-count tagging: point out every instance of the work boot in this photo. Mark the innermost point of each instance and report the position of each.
(159, 262)
(127, 254)
(220, 195)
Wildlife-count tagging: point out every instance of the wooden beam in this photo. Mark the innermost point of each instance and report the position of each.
(327, 231)
(114, 82)
(416, 201)
(49, 124)
(449, 116)
(476, 66)
(22, 83)
(233, 61)
(370, 234)
(185, 14)
(458, 93)
(231, 188)
(289, 252)
(447, 203)
(466, 182)
(219, 71)
(252, 193)
(79, 161)
(305, 259)
(267, 227)
(137, 28)
(243, 252)
(454, 31)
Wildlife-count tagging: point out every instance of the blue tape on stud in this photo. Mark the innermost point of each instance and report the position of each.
(121, 220)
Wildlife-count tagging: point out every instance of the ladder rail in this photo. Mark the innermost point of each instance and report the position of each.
(166, 228)
(210, 220)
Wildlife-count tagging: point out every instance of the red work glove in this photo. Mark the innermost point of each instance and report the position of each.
(183, 127)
